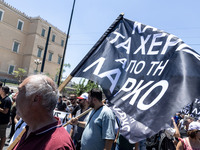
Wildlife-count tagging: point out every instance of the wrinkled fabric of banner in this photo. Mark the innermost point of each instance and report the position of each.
(146, 74)
(192, 109)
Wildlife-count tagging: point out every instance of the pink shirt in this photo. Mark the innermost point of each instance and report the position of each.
(187, 145)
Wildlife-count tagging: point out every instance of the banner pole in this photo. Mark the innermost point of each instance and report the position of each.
(82, 114)
(66, 41)
(14, 143)
(67, 80)
(79, 116)
(99, 42)
(108, 31)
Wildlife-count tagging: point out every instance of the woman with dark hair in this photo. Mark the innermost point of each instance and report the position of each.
(192, 142)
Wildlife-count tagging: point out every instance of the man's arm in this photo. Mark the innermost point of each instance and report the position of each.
(108, 144)
(137, 146)
(177, 133)
(71, 132)
(116, 137)
(16, 119)
(180, 146)
(4, 111)
(74, 121)
(81, 124)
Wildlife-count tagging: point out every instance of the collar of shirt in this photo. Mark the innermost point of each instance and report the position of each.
(47, 128)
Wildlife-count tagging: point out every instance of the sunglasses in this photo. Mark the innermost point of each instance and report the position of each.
(72, 99)
(81, 99)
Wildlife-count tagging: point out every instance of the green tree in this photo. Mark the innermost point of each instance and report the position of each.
(66, 66)
(85, 87)
(20, 74)
(91, 85)
(63, 70)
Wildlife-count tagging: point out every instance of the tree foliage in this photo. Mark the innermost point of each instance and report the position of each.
(66, 66)
(85, 87)
(63, 70)
(20, 74)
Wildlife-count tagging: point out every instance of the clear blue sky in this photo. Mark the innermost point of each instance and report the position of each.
(92, 18)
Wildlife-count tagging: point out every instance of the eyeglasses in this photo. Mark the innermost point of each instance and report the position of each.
(81, 99)
(72, 99)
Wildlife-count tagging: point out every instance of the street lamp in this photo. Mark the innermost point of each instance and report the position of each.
(37, 62)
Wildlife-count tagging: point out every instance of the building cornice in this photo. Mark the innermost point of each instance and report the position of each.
(2, 2)
(46, 22)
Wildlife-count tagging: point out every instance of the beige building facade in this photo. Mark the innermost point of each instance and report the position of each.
(23, 40)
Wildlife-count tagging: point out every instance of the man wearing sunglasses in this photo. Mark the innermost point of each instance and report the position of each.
(76, 131)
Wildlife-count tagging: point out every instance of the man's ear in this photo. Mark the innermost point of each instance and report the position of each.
(94, 99)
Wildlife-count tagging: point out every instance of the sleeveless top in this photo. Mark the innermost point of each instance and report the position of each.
(187, 145)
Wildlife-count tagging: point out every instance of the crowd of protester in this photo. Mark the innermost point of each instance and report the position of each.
(32, 107)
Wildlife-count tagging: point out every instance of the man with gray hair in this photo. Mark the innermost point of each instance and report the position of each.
(36, 100)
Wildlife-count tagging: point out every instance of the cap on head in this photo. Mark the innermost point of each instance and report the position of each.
(83, 96)
(194, 126)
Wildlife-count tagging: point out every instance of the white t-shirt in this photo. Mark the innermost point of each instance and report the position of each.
(170, 132)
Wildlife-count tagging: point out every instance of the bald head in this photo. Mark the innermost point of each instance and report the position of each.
(43, 86)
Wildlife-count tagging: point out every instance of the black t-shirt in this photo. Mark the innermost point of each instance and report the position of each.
(5, 103)
(61, 106)
(76, 108)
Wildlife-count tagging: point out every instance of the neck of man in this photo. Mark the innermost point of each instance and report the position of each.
(39, 120)
(85, 107)
(74, 104)
(98, 104)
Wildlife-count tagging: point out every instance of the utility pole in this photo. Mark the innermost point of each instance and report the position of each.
(45, 51)
(63, 59)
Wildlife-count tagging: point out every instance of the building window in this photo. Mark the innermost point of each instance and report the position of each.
(1, 14)
(59, 60)
(50, 56)
(20, 25)
(11, 69)
(43, 32)
(53, 38)
(62, 43)
(39, 54)
(15, 47)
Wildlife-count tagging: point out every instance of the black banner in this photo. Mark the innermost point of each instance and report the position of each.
(193, 109)
(147, 75)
